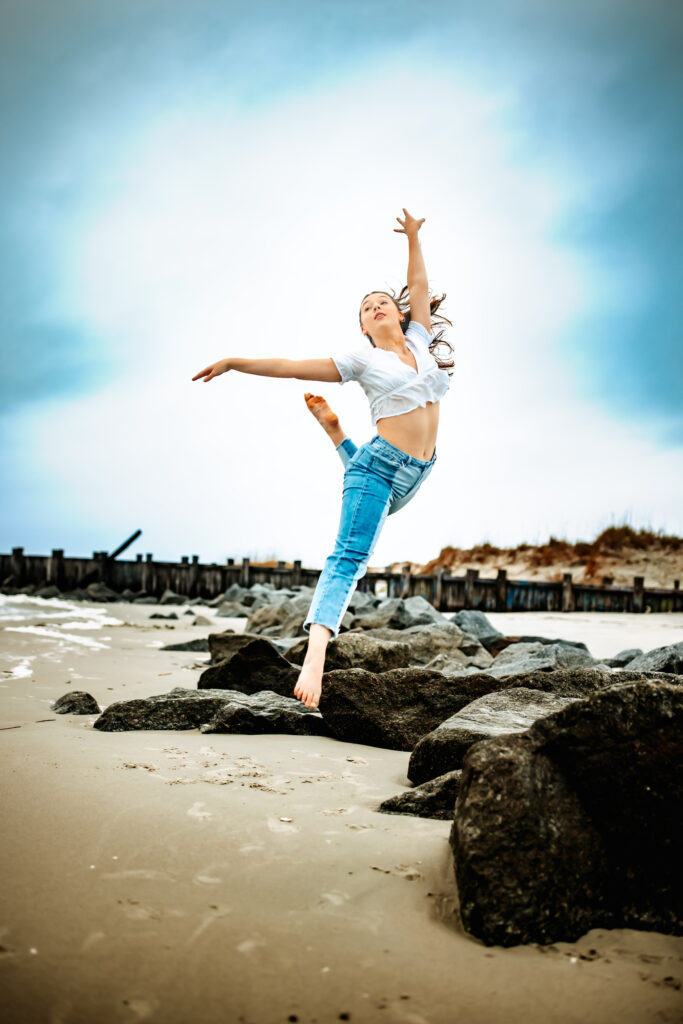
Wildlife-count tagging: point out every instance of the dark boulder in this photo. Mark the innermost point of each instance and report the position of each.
(527, 657)
(179, 709)
(500, 643)
(622, 659)
(495, 714)
(661, 659)
(575, 824)
(356, 650)
(76, 702)
(248, 664)
(219, 710)
(476, 624)
(434, 799)
(200, 644)
(387, 709)
(266, 712)
(398, 613)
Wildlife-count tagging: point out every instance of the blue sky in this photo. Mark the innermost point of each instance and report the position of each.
(186, 182)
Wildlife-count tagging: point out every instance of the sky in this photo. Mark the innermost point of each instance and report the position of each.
(184, 182)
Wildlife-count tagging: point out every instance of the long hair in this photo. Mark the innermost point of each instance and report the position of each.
(439, 348)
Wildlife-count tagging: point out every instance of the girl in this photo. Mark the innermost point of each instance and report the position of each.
(398, 369)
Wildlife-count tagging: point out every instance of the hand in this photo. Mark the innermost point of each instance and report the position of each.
(215, 370)
(410, 224)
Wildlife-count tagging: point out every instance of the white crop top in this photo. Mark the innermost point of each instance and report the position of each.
(391, 385)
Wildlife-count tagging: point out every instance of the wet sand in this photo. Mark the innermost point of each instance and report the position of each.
(156, 876)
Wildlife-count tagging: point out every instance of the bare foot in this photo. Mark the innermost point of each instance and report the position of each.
(309, 684)
(327, 419)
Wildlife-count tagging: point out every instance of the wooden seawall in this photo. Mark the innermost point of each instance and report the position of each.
(191, 578)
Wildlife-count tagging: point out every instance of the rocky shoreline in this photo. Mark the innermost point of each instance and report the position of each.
(560, 772)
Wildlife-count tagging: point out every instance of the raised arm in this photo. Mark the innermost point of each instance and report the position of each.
(418, 285)
(301, 369)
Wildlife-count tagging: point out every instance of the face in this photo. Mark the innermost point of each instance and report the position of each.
(378, 308)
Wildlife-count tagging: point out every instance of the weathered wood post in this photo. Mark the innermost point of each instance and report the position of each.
(245, 573)
(406, 581)
(100, 558)
(55, 568)
(437, 587)
(296, 573)
(567, 592)
(501, 590)
(471, 577)
(18, 567)
(638, 593)
(147, 575)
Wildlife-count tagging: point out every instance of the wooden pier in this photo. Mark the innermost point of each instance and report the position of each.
(448, 593)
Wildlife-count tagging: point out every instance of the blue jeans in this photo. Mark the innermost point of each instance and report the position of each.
(378, 480)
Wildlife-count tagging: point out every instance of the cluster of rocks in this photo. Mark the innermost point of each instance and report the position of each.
(559, 772)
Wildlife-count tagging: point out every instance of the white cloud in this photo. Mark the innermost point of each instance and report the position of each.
(232, 235)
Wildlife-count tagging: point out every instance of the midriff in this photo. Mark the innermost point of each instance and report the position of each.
(413, 432)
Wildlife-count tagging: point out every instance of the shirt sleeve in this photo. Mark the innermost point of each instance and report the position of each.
(417, 332)
(352, 364)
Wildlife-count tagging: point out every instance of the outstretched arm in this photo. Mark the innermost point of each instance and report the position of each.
(418, 285)
(301, 369)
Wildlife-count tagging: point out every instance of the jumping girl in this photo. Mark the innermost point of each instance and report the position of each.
(397, 367)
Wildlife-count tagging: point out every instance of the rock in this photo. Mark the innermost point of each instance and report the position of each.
(355, 650)
(76, 702)
(200, 644)
(388, 709)
(266, 712)
(477, 625)
(101, 592)
(160, 615)
(527, 657)
(623, 657)
(170, 597)
(450, 663)
(397, 613)
(426, 642)
(48, 592)
(661, 659)
(146, 600)
(234, 593)
(362, 599)
(232, 610)
(248, 664)
(495, 714)
(201, 620)
(274, 615)
(78, 594)
(179, 709)
(434, 799)
(575, 824)
(499, 644)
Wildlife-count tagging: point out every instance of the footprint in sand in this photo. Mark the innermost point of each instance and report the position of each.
(249, 945)
(136, 911)
(336, 898)
(196, 812)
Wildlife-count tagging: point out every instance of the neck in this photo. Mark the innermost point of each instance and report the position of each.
(385, 336)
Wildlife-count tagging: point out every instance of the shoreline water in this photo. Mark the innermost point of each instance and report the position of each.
(155, 876)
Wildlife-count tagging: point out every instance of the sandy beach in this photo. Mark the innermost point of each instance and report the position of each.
(179, 877)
